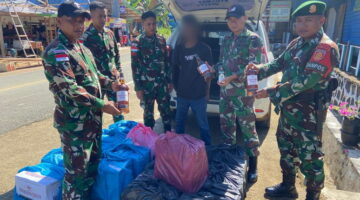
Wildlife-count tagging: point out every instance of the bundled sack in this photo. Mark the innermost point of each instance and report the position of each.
(121, 127)
(138, 156)
(118, 168)
(55, 156)
(227, 175)
(226, 181)
(113, 177)
(39, 182)
(116, 134)
(181, 161)
(143, 136)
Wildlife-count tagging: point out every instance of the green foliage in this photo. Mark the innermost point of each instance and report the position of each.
(164, 31)
(158, 7)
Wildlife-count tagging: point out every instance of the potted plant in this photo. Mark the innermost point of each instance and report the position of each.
(350, 131)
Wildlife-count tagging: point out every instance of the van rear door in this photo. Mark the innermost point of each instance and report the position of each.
(212, 10)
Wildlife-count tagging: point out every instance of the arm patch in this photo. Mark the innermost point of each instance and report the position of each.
(320, 61)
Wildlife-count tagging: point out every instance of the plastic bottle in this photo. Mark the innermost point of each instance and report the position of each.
(221, 75)
(203, 68)
(251, 82)
(122, 96)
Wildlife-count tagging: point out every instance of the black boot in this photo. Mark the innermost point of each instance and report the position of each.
(285, 189)
(252, 173)
(312, 194)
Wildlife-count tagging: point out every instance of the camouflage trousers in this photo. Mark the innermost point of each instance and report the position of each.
(82, 153)
(239, 109)
(111, 96)
(301, 148)
(161, 95)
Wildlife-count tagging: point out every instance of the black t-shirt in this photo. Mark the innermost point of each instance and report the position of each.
(187, 80)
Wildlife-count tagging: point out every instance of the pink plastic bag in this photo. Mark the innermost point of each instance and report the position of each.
(181, 161)
(143, 136)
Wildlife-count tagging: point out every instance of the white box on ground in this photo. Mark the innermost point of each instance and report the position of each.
(35, 186)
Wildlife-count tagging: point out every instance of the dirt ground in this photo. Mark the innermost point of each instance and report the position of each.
(26, 145)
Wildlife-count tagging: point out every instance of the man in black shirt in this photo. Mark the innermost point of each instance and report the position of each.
(191, 87)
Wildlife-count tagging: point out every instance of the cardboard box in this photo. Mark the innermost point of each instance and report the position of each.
(35, 186)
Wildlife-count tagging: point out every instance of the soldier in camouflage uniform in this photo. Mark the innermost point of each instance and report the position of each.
(103, 45)
(239, 49)
(76, 85)
(306, 65)
(151, 72)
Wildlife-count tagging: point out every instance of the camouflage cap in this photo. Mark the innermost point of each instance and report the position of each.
(310, 8)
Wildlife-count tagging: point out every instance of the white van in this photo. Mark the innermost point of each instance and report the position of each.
(211, 13)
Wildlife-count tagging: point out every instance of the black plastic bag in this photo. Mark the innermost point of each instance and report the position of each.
(226, 181)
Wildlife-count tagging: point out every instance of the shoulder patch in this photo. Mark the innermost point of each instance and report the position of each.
(134, 48)
(61, 57)
(320, 61)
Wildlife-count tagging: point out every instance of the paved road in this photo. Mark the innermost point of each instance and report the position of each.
(25, 98)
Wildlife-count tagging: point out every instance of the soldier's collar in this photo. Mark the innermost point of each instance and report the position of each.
(243, 33)
(316, 39)
(93, 29)
(64, 40)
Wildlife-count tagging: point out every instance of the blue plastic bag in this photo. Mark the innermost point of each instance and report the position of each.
(118, 168)
(55, 156)
(112, 178)
(121, 127)
(138, 156)
(45, 169)
(116, 134)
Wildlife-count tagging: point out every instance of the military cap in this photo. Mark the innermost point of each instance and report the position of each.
(72, 9)
(235, 11)
(310, 8)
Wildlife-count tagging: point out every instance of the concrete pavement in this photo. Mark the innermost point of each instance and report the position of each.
(25, 97)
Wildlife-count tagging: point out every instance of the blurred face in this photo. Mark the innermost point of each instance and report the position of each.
(99, 17)
(149, 25)
(307, 26)
(189, 32)
(236, 25)
(72, 27)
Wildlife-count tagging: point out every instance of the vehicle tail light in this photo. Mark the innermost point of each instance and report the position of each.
(264, 56)
(259, 110)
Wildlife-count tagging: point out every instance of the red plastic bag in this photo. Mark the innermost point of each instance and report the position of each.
(143, 136)
(181, 161)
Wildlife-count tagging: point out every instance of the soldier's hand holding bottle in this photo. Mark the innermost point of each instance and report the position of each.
(260, 94)
(252, 67)
(110, 108)
(227, 80)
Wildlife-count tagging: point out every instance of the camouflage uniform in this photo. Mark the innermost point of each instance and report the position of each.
(76, 85)
(103, 46)
(306, 68)
(236, 53)
(152, 74)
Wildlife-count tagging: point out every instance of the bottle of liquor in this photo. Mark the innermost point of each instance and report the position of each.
(203, 68)
(122, 96)
(252, 82)
(221, 75)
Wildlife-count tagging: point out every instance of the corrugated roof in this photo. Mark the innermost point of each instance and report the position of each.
(27, 7)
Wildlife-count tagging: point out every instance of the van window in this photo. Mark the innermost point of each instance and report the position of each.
(194, 5)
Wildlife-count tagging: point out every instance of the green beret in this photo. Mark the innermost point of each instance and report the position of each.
(310, 8)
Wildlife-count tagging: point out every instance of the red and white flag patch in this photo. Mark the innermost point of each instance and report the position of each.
(134, 49)
(61, 57)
